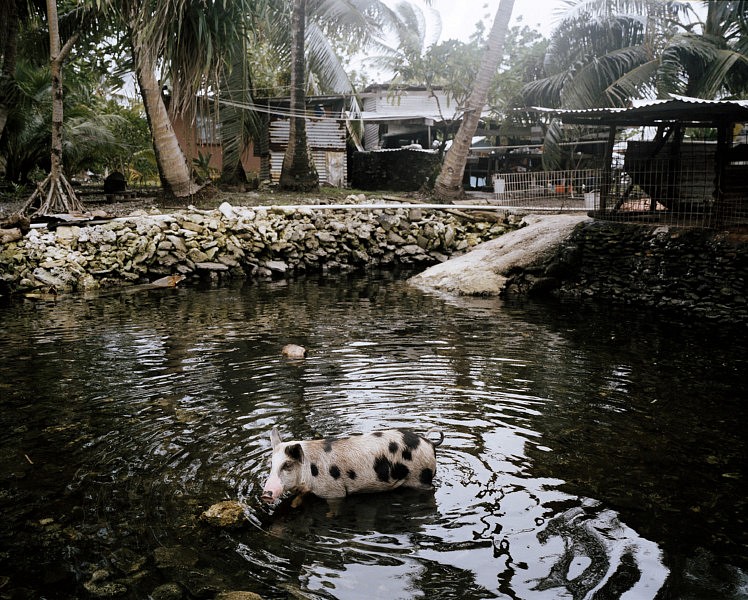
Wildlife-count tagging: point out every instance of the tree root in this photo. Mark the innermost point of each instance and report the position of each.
(54, 195)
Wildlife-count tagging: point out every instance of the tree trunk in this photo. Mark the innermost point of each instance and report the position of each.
(55, 194)
(234, 119)
(173, 169)
(9, 35)
(448, 184)
(298, 172)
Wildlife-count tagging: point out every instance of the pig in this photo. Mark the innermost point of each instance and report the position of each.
(336, 467)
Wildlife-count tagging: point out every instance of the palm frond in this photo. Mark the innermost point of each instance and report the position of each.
(590, 83)
(552, 153)
(325, 63)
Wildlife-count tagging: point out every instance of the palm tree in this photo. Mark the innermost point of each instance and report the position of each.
(356, 19)
(189, 40)
(605, 52)
(448, 184)
(88, 130)
(298, 172)
(55, 194)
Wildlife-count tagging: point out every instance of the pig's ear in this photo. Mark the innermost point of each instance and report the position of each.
(295, 452)
(275, 438)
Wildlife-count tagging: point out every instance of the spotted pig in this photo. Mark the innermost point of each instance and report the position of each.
(335, 467)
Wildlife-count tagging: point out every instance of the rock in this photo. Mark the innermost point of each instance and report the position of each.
(168, 591)
(211, 266)
(228, 514)
(484, 270)
(227, 210)
(293, 351)
(127, 561)
(10, 235)
(45, 277)
(325, 237)
(277, 266)
(99, 587)
(238, 596)
(174, 556)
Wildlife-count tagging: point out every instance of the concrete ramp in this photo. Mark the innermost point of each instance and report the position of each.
(483, 270)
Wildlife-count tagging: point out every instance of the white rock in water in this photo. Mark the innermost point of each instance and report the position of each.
(294, 351)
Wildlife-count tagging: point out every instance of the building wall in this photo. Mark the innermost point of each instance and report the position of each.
(411, 103)
(194, 139)
(327, 142)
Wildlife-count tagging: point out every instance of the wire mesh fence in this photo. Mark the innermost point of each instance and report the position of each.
(647, 182)
(548, 190)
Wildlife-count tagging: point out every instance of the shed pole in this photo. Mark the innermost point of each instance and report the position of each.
(720, 161)
(608, 168)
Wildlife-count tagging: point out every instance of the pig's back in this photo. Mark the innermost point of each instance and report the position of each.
(372, 462)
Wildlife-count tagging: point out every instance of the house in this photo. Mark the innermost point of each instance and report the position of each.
(405, 116)
(327, 136)
(379, 119)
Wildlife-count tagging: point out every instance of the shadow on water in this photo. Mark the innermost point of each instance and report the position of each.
(588, 454)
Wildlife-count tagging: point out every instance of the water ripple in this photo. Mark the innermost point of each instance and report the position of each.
(124, 430)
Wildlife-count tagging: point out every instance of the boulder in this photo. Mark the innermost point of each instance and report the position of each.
(484, 270)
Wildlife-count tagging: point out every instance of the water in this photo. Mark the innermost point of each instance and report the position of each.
(587, 455)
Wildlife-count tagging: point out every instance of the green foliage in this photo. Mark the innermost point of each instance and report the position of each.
(603, 53)
(98, 134)
(202, 168)
(453, 65)
(132, 152)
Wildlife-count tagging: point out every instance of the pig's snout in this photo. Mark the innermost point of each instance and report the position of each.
(272, 490)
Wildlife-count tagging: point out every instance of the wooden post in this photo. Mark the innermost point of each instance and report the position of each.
(607, 169)
(720, 162)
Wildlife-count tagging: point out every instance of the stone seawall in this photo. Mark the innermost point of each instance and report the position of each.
(234, 242)
(690, 272)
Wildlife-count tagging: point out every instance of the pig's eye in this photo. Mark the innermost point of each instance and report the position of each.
(287, 466)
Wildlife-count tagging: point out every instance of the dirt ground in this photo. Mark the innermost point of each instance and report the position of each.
(119, 206)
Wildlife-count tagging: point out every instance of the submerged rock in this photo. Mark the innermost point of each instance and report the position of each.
(174, 556)
(228, 514)
(99, 586)
(168, 591)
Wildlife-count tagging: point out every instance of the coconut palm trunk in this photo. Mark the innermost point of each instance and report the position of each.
(9, 34)
(298, 172)
(176, 178)
(448, 184)
(55, 194)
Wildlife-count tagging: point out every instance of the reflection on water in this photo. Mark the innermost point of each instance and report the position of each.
(586, 456)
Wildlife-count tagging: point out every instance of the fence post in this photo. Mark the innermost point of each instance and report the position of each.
(608, 169)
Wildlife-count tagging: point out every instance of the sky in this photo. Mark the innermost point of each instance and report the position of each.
(459, 18)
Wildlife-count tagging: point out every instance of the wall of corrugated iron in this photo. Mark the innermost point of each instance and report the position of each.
(327, 141)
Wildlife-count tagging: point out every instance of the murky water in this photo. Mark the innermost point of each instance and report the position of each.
(586, 455)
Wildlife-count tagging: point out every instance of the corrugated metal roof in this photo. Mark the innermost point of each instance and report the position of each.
(653, 112)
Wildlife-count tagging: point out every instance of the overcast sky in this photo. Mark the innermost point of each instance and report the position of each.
(459, 18)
